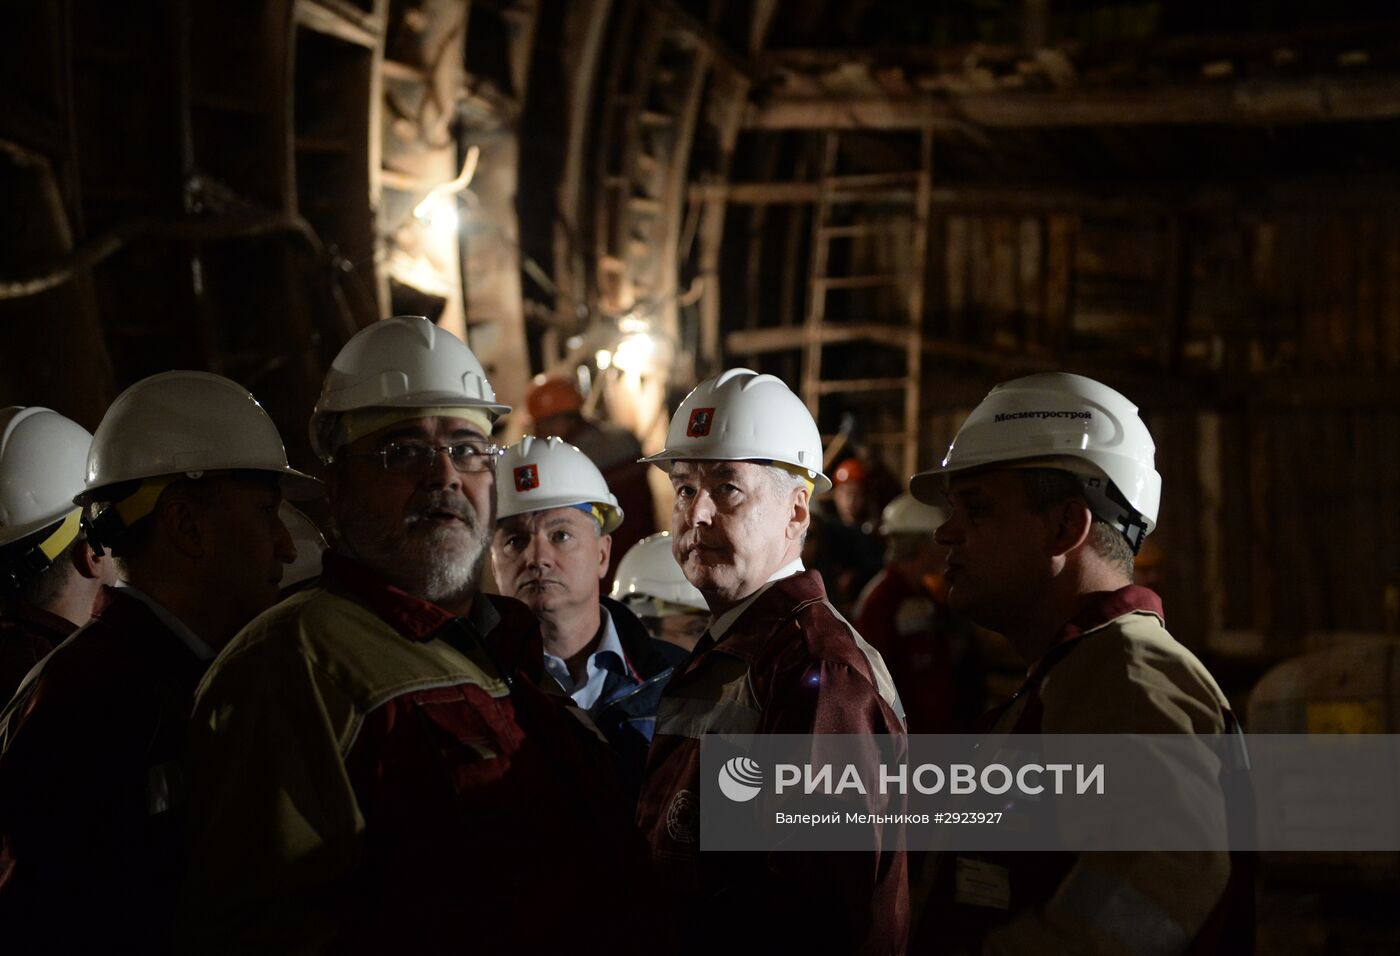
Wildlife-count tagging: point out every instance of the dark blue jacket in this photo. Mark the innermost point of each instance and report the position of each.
(626, 709)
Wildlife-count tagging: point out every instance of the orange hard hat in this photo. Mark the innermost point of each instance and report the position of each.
(553, 396)
(849, 470)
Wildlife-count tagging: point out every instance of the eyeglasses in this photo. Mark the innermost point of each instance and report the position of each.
(467, 457)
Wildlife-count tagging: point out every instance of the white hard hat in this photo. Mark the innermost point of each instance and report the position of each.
(310, 545)
(908, 515)
(43, 457)
(403, 362)
(1069, 422)
(648, 571)
(536, 474)
(745, 416)
(182, 423)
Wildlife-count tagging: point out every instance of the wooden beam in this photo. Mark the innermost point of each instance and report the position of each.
(722, 54)
(1155, 50)
(339, 19)
(1243, 103)
(1320, 193)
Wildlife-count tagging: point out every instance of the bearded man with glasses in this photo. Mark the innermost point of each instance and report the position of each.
(375, 763)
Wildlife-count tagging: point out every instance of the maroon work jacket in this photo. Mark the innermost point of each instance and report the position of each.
(91, 829)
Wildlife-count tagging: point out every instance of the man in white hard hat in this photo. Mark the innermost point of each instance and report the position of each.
(184, 477)
(1051, 488)
(744, 458)
(652, 586)
(50, 575)
(375, 765)
(551, 550)
(904, 614)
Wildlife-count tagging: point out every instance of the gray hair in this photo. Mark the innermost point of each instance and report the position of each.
(1050, 486)
(784, 480)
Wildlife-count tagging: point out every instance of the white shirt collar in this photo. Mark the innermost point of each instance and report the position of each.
(720, 626)
(188, 637)
(588, 690)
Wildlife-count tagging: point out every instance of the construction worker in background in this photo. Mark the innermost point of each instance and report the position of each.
(850, 550)
(305, 571)
(744, 458)
(183, 482)
(50, 575)
(1051, 489)
(556, 518)
(652, 586)
(556, 408)
(375, 764)
(904, 615)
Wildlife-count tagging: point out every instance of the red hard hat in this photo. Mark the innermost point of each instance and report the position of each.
(553, 396)
(849, 470)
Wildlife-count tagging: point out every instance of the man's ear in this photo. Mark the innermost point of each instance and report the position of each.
(85, 560)
(1068, 525)
(801, 514)
(178, 518)
(604, 554)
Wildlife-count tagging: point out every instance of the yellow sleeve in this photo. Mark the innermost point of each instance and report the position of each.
(275, 833)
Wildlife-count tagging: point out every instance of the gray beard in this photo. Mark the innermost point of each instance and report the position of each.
(423, 563)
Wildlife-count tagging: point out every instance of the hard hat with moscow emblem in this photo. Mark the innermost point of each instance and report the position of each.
(537, 474)
(744, 416)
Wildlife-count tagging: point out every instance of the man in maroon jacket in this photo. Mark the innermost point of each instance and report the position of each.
(744, 455)
(185, 475)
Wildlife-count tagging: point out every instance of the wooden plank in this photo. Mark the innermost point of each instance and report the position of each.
(757, 341)
(404, 72)
(1367, 260)
(980, 285)
(1312, 299)
(1002, 266)
(816, 291)
(1389, 337)
(1333, 480)
(713, 44)
(870, 182)
(956, 259)
(1318, 390)
(1360, 549)
(1241, 103)
(1290, 526)
(1340, 242)
(846, 386)
(341, 20)
(1176, 285)
(1059, 280)
(1266, 285)
(1387, 517)
(1030, 297)
(856, 282)
(1322, 193)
